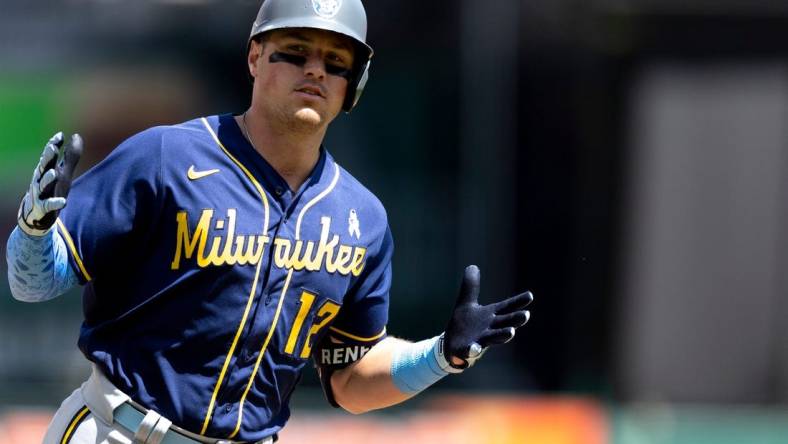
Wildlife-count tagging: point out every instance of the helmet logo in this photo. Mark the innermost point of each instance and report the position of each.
(326, 8)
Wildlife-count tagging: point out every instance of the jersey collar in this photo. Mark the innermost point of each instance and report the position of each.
(236, 143)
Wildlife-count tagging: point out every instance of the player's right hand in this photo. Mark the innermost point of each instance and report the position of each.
(50, 185)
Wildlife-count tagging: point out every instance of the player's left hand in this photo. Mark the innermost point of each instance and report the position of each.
(473, 327)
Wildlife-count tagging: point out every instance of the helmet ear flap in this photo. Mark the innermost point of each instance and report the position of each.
(356, 87)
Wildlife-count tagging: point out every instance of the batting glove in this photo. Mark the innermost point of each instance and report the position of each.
(473, 327)
(50, 185)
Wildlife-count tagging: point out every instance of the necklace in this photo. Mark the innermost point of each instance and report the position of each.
(246, 131)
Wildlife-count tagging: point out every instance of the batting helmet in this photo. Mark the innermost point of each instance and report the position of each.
(346, 17)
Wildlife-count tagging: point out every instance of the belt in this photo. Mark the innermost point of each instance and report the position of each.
(152, 428)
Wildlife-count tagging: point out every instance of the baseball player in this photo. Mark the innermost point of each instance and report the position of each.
(218, 255)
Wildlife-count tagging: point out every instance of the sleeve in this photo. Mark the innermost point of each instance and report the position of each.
(112, 205)
(38, 266)
(361, 323)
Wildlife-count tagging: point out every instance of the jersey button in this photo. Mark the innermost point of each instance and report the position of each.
(228, 408)
(279, 191)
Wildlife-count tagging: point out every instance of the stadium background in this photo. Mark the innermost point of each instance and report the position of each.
(624, 159)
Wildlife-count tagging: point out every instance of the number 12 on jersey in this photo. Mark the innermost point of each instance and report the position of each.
(325, 314)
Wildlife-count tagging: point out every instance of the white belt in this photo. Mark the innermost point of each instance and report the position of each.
(148, 427)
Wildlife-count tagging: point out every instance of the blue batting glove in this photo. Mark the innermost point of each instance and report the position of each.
(473, 327)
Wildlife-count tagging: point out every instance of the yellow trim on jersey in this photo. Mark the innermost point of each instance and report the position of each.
(72, 426)
(316, 199)
(73, 248)
(260, 355)
(309, 205)
(246, 171)
(231, 352)
(358, 338)
(252, 293)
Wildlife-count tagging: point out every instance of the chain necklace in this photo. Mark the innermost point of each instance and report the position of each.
(246, 131)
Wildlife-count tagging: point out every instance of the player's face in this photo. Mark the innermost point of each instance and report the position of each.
(301, 75)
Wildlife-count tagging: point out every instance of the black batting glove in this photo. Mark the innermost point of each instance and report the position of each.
(50, 185)
(473, 327)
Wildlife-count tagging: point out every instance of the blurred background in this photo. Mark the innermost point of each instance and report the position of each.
(626, 160)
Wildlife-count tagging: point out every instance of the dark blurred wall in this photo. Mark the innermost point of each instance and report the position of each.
(702, 294)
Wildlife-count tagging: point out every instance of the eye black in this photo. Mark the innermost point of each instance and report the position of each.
(338, 71)
(283, 57)
(300, 61)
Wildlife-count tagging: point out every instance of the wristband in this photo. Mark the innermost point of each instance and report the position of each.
(416, 366)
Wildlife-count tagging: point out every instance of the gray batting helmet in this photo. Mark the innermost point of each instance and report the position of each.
(346, 17)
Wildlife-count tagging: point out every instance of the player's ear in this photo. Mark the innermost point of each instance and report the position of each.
(255, 51)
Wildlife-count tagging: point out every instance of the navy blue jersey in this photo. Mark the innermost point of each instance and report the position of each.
(209, 283)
